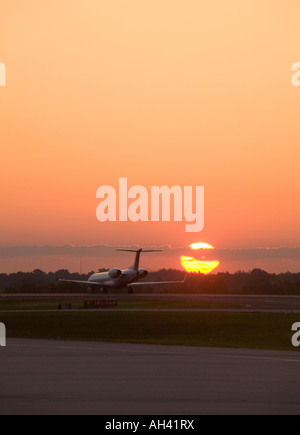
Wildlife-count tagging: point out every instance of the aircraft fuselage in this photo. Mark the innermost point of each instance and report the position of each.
(127, 276)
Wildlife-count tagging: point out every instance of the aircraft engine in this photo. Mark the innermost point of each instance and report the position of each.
(114, 273)
(142, 273)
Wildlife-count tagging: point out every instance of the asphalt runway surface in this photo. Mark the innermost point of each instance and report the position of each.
(164, 310)
(246, 303)
(49, 377)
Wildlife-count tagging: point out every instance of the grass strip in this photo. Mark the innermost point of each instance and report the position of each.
(213, 329)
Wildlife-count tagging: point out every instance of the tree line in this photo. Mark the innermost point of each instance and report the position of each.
(256, 281)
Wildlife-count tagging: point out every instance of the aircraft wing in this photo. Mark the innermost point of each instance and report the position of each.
(90, 283)
(136, 284)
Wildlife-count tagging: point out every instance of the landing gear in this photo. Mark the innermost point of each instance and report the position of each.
(96, 290)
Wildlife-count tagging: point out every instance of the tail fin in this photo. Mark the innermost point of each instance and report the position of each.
(138, 254)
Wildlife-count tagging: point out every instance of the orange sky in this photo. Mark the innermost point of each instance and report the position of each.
(162, 92)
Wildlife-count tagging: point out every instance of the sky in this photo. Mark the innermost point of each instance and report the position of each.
(163, 93)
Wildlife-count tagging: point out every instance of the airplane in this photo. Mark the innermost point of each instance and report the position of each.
(118, 279)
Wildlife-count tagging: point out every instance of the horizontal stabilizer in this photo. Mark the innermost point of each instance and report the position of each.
(139, 250)
(138, 254)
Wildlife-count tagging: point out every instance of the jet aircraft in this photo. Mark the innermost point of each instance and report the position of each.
(118, 279)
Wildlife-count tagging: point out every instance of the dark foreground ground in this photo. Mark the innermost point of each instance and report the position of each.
(271, 331)
(49, 377)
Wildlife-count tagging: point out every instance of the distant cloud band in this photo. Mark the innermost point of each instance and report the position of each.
(102, 250)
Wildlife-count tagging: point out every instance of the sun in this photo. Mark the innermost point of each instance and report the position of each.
(193, 265)
(201, 245)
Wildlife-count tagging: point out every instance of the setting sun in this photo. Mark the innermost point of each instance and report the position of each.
(201, 245)
(193, 265)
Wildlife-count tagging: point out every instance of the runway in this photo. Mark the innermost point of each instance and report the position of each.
(50, 377)
(164, 310)
(245, 303)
